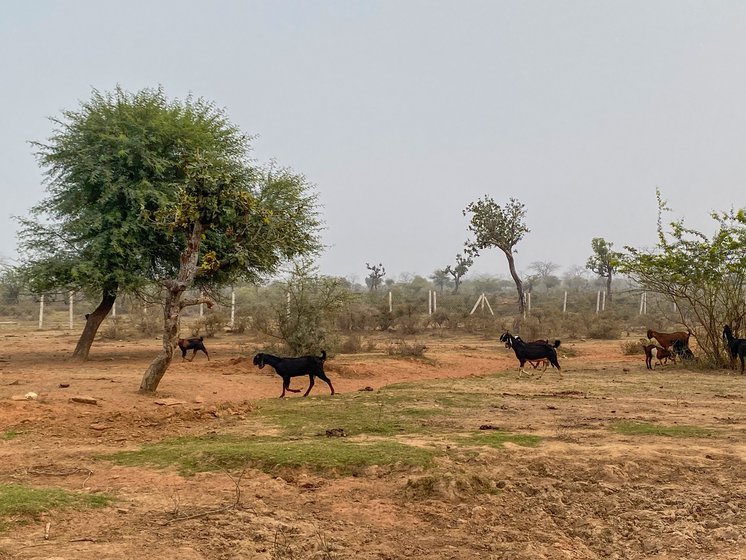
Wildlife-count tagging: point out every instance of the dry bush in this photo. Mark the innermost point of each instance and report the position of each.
(439, 319)
(353, 344)
(631, 347)
(209, 324)
(604, 328)
(112, 329)
(406, 349)
(357, 316)
(482, 324)
(408, 324)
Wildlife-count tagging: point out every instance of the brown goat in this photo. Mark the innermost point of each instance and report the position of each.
(661, 356)
(666, 340)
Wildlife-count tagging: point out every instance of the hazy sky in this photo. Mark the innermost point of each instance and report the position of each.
(402, 112)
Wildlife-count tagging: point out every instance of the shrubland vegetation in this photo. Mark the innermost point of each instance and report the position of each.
(305, 311)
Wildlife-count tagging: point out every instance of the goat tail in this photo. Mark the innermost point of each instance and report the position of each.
(557, 343)
(323, 355)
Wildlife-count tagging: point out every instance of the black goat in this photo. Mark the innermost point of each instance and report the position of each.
(313, 366)
(186, 344)
(681, 349)
(534, 363)
(532, 351)
(736, 346)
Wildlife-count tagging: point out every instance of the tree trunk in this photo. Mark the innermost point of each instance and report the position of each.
(157, 368)
(172, 311)
(518, 283)
(608, 287)
(93, 322)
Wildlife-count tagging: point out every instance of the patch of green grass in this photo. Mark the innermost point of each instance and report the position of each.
(645, 429)
(381, 414)
(331, 455)
(9, 434)
(497, 439)
(26, 501)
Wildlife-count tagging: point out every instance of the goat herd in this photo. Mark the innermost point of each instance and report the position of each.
(669, 346)
(537, 353)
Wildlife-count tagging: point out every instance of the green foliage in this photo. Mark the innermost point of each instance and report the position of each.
(498, 226)
(603, 261)
(108, 165)
(11, 285)
(704, 277)
(303, 310)
(142, 189)
(459, 270)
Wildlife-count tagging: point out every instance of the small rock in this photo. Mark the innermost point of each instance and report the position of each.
(84, 400)
(30, 396)
(169, 402)
(336, 432)
(199, 400)
(64, 385)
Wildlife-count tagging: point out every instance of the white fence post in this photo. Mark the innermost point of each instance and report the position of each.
(598, 301)
(564, 303)
(391, 304)
(435, 301)
(603, 301)
(114, 309)
(70, 305)
(233, 306)
(482, 300)
(429, 302)
(41, 311)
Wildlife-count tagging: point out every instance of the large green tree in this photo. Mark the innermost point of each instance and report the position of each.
(502, 227)
(116, 157)
(704, 276)
(142, 190)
